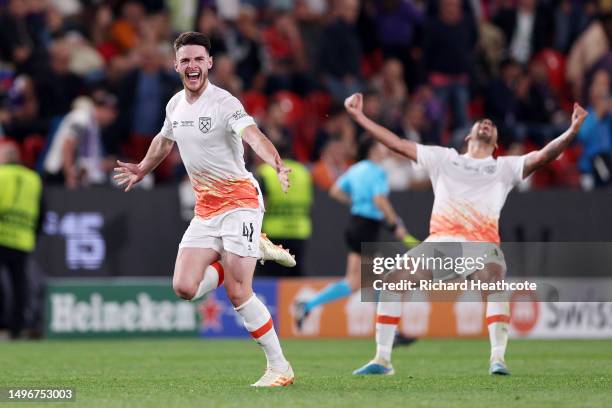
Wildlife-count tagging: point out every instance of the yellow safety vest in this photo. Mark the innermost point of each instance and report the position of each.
(20, 190)
(287, 214)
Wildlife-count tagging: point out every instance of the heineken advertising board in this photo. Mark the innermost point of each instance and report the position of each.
(113, 308)
(136, 307)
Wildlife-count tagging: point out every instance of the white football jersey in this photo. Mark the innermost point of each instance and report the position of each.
(469, 193)
(208, 135)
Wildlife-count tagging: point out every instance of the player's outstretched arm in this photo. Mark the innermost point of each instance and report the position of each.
(264, 148)
(540, 158)
(129, 174)
(354, 107)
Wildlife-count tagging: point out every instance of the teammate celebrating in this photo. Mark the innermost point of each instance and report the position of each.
(470, 191)
(209, 124)
(364, 187)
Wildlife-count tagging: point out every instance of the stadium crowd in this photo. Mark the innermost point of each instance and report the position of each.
(85, 82)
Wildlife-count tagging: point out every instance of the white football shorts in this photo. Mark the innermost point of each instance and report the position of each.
(236, 231)
(454, 247)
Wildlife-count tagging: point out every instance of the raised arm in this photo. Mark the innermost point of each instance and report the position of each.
(354, 107)
(540, 158)
(130, 174)
(262, 146)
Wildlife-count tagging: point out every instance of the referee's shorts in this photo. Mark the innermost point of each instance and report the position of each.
(361, 229)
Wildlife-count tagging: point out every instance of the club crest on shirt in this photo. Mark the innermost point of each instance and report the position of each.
(490, 169)
(205, 123)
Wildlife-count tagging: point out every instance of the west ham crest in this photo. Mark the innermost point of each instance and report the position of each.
(205, 123)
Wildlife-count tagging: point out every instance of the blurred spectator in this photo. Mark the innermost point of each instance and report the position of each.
(528, 28)
(75, 157)
(444, 56)
(20, 37)
(58, 87)
(592, 44)
(434, 112)
(309, 15)
(210, 25)
(332, 163)
(571, 18)
(85, 60)
(373, 106)
(19, 116)
(450, 38)
(244, 46)
(67, 8)
(181, 14)
(595, 136)
(341, 58)
(414, 124)
(286, 56)
(404, 174)
(538, 108)
(142, 98)
(392, 89)
(125, 31)
(100, 32)
(396, 24)
(20, 222)
(501, 102)
(334, 148)
(274, 127)
(224, 75)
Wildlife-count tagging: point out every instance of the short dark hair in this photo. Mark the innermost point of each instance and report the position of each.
(365, 145)
(192, 38)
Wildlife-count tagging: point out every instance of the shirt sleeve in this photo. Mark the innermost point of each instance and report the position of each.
(235, 117)
(430, 157)
(166, 130)
(513, 169)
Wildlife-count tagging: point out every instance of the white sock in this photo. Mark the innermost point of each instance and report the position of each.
(387, 317)
(258, 322)
(498, 317)
(213, 278)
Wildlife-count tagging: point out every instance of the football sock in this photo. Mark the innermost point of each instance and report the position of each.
(213, 278)
(332, 292)
(258, 322)
(388, 315)
(498, 317)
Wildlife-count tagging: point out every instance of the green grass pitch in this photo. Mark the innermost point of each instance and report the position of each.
(217, 373)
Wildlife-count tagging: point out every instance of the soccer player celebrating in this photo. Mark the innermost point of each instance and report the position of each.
(470, 191)
(364, 187)
(209, 124)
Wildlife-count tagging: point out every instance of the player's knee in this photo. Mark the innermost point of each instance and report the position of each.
(238, 294)
(184, 290)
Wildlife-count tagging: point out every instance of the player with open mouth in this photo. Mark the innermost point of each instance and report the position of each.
(222, 242)
(470, 190)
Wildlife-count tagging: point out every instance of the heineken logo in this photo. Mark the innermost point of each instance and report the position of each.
(98, 315)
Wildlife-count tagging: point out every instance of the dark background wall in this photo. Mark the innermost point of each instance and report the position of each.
(105, 232)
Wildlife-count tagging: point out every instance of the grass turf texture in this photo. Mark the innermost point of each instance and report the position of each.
(217, 373)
